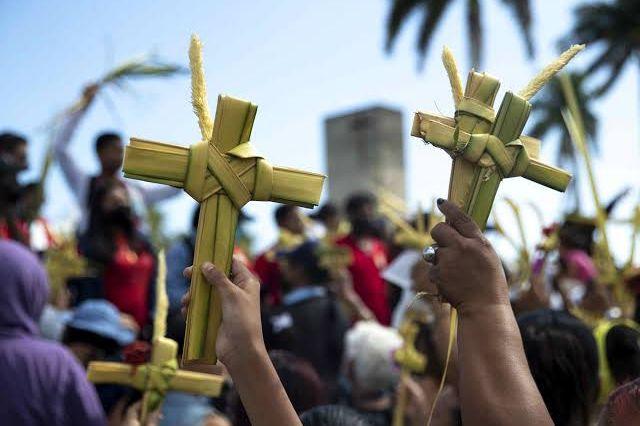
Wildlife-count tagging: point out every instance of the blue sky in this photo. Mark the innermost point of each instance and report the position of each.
(299, 61)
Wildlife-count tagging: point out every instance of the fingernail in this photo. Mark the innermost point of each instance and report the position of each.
(207, 267)
(440, 201)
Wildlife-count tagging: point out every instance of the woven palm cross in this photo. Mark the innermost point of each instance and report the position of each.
(487, 146)
(222, 172)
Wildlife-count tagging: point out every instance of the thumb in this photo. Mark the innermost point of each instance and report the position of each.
(216, 278)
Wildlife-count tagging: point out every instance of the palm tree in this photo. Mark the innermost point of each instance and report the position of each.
(615, 26)
(548, 120)
(433, 11)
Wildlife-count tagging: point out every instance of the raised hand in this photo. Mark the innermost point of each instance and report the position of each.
(467, 271)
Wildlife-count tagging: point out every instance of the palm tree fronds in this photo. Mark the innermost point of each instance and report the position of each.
(615, 27)
(522, 10)
(400, 10)
(434, 13)
(474, 23)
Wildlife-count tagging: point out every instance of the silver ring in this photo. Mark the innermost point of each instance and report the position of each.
(429, 253)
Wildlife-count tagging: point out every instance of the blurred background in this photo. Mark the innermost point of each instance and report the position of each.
(305, 64)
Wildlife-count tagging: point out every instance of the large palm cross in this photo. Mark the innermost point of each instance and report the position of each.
(487, 147)
(222, 173)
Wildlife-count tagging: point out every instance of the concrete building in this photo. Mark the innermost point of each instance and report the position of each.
(365, 151)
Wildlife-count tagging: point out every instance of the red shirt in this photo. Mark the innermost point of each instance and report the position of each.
(127, 280)
(268, 271)
(368, 259)
(20, 226)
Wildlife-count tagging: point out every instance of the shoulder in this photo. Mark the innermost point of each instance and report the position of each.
(41, 356)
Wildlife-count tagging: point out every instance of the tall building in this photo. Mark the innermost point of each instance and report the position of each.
(365, 151)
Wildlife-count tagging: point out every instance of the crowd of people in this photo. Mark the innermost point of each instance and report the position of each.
(311, 325)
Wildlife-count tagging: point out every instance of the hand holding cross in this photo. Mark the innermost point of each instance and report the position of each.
(487, 147)
(223, 173)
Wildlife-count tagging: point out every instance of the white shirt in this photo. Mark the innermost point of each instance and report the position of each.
(399, 273)
(79, 180)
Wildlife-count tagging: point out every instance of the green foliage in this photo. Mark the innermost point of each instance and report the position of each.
(433, 12)
(614, 27)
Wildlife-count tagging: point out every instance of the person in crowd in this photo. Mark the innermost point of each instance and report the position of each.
(563, 359)
(309, 322)
(618, 352)
(368, 253)
(41, 236)
(110, 151)
(303, 385)
(371, 371)
(399, 274)
(56, 313)
(179, 256)
(333, 415)
(328, 216)
(13, 161)
(13, 153)
(42, 383)
(121, 254)
(291, 229)
(96, 331)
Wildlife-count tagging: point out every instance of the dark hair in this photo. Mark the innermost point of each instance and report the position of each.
(98, 243)
(623, 406)
(357, 201)
(333, 415)
(577, 235)
(302, 384)
(623, 353)
(325, 212)
(563, 359)
(306, 256)
(425, 344)
(108, 346)
(9, 141)
(105, 139)
(282, 212)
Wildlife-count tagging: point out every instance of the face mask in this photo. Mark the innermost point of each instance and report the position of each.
(121, 216)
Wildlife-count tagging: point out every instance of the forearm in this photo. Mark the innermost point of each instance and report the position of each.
(76, 177)
(496, 386)
(261, 391)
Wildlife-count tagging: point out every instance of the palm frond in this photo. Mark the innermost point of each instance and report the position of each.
(434, 11)
(474, 28)
(400, 11)
(144, 67)
(614, 27)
